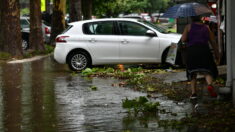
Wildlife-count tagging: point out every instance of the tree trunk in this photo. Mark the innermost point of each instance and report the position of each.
(75, 10)
(37, 89)
(87, 9)
(58, 20)
(35, 37)
(10, 28)
(79, 9)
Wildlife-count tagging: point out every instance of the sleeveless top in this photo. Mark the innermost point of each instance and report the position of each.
(198, 35)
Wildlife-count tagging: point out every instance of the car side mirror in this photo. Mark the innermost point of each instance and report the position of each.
(151, 33)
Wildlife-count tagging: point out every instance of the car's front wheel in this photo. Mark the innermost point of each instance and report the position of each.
(78, 61)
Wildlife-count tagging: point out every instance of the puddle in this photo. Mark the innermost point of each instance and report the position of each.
(44, 96)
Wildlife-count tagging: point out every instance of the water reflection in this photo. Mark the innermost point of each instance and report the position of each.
(12, 97)
(43, 96)
(89, 110)
(1, 102)
(26, 99)
(27, 96)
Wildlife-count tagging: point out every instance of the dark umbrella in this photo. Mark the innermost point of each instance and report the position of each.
(187, 10)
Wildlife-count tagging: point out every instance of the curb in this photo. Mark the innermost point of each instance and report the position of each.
(28, 59)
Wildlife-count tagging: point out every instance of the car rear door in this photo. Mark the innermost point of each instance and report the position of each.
(102, 41)
(135, 45)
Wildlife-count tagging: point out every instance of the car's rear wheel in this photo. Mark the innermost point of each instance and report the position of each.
(78, 61)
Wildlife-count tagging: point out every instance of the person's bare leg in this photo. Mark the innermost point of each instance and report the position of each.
(209, 79)
(193, 84)
(210, 88)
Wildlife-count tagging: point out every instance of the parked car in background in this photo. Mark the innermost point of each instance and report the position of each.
(112, 41)
(145, 17)
(157, 17)
(46, 31)
(25, 30)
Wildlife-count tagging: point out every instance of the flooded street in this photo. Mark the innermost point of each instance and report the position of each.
(43, 96)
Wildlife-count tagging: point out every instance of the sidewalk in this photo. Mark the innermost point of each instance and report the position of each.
(181, 76)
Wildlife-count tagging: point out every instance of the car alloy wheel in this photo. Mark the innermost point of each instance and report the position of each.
(25, 44)
(79, 61)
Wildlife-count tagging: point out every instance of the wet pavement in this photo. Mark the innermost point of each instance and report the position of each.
(43, 96)
(173, 77)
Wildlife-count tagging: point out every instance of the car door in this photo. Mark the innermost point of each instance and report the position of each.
(102, 41)
(135, 45)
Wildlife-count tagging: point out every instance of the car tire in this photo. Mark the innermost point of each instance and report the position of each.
(78, 61)
(25, 44)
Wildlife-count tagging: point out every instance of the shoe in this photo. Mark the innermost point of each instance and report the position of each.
(211, 90)
(193, 96)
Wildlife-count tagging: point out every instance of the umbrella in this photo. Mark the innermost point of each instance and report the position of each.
(187, 10)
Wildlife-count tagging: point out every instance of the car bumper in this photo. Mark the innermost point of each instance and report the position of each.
(60, 53)
(47, 39)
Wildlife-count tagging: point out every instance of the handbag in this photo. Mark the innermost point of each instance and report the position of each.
(182, 46)
(171, 55)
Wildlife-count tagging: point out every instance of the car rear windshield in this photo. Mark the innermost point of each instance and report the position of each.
(157, 27)
(24, 23)
(67, 29)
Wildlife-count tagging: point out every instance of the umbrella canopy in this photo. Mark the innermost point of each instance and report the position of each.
(187, 10)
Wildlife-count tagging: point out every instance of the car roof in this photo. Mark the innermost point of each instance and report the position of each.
(103, 19)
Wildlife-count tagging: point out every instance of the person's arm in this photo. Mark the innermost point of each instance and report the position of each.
(214, 45)
(184, 37)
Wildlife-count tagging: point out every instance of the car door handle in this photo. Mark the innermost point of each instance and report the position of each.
(124, 42)
(92, 40)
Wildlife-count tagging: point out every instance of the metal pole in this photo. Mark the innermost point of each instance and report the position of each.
(219, 34)
(233, 50)
(230, 39)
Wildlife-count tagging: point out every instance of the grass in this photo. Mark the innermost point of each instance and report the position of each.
(30, 53)
(140, 105)
(4, 56)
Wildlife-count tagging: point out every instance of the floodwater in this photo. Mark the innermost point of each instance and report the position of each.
(43, 96)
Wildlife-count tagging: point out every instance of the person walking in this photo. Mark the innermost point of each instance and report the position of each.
(199, 58)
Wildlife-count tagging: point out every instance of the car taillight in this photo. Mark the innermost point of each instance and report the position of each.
(47, 30)
(61, 39)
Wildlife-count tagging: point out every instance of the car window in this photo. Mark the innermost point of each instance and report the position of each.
(131, 28)
(99, 28)
(24, 23)
(157, 27)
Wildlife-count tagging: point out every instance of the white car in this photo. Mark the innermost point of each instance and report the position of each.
(112, 41)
